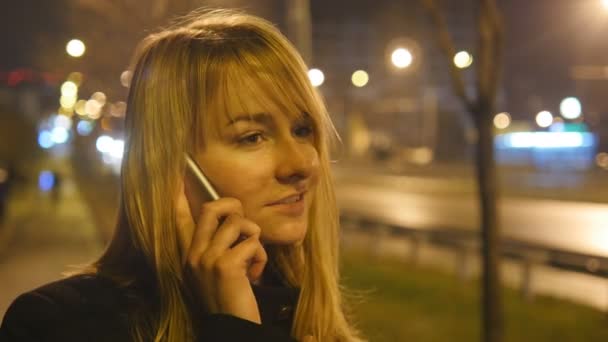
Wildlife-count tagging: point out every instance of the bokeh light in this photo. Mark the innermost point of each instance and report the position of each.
(463, 59)
(401, 58)
(69, 88)
(116, 148)
(62, 121)
(75, 48)
(79, 107)
(544, 119)
(46, 180)
(316, 77)
(99, 97)
(75, 77)
(360, 78)
(84, 127)
(125, 78)
(59, 135)
(104, 143)
(570, 108)
(93, 109)
(118, 109)
(45, 139)
(502, 120)
(602, 160)
(67, 102)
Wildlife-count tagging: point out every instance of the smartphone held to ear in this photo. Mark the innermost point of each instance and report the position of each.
(197, 175)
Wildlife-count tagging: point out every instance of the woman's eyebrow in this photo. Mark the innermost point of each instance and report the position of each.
(263, 118)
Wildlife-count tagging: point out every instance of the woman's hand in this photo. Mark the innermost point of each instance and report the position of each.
(223, 253)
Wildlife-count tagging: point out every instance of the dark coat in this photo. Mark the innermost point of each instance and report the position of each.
(91, 308)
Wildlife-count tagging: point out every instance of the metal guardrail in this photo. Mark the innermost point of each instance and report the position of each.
(467, 242)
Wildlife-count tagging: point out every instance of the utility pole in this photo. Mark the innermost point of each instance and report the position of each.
(299, 27)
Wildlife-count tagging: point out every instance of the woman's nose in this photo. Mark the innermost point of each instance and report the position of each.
(297, 161)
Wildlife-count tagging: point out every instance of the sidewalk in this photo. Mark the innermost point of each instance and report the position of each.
(42, 239)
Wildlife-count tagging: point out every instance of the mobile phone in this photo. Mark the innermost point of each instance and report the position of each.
(199, 175)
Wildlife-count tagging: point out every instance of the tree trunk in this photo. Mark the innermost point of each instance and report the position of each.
(492, 316)
(488, 67)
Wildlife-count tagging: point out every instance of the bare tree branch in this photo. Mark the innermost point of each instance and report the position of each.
(446, 45)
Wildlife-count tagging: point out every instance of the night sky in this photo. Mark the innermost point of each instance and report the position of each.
(544, 38)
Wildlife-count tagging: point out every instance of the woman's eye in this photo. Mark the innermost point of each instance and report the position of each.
(304, 131)
(251, 139)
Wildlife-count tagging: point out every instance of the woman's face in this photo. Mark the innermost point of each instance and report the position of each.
(269, 162)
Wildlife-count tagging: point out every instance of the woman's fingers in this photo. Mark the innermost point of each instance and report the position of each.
(234, 228)
(248, 253)
(211, 215)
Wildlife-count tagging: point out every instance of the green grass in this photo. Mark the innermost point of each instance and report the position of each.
(399, 302)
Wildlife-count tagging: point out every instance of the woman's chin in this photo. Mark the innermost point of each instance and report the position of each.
(284, 234)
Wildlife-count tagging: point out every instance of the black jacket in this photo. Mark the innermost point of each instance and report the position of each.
(91, 308)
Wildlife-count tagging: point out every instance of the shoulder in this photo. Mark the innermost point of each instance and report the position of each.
(76, 306)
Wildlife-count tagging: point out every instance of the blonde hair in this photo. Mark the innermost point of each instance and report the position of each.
(180, 74)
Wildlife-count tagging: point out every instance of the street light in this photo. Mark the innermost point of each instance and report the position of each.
(360, 78)
(75, 48)
(544, 119)
(402, 58)
(502, 120)
(570, 107)
(316, 77)
(463, 59)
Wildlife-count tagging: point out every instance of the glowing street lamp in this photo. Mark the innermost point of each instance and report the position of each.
(360, 78)
(401, 58)
(316, 77)
(75, 48)
(463, 59)
(544, 119)
(502, 120)
(570, 107)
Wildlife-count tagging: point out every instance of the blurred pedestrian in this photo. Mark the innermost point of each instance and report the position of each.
(257, 264)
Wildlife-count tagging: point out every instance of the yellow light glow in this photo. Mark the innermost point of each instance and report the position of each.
(360, 78)
(118, 109)
(316, 77)
(502, 120)
(75, 48)
(125, 78)
(69, 88)
(463, 59)
(602, 160)
(75, 77)
(67, 102)
(544, 118)
(65, 111)
(605, 3)
(80, 107)
(99, 97)
(401, 58)
(93, 109)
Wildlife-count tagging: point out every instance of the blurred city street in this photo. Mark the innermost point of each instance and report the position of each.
(42, 236)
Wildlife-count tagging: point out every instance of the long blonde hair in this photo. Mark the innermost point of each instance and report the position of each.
(179, 74)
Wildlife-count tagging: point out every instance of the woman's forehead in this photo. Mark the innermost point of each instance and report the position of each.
(249, 98)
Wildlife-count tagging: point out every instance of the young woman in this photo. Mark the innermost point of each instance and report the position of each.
(258, 264)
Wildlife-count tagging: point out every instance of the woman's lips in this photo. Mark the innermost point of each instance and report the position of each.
(293, 205)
